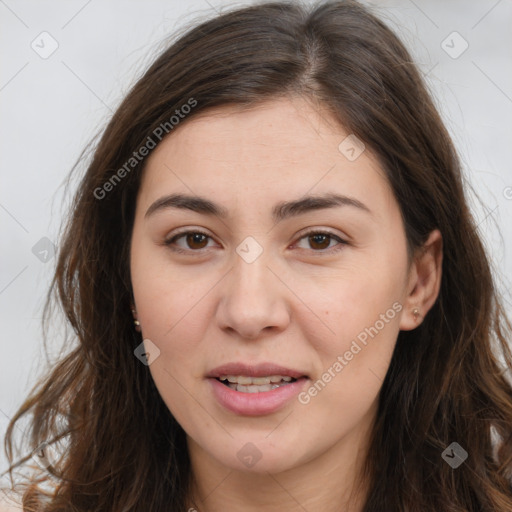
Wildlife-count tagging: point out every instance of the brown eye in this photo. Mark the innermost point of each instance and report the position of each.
(318, 241)
(195, 241)
(196, 238)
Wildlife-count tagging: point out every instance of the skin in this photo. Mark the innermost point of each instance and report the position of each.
(299, 304)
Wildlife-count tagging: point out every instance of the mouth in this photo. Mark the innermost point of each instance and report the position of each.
(255, 390)
(246, 384)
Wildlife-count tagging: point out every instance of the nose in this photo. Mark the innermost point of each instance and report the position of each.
(254, 299)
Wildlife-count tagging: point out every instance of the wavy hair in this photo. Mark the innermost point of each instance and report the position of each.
(122, 448)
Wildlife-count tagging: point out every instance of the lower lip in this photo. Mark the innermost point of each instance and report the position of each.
(256, 404)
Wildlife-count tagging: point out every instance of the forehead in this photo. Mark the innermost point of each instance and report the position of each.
(280, 148)
(285, 128)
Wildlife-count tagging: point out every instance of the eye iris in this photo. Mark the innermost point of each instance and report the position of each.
(315, 240)
(193, 238)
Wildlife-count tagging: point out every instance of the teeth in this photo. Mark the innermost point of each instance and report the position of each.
(278, 378)
(260, 381)
(255, 384)
(254, 389)
(257, 381)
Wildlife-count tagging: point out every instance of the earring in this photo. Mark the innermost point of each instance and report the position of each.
(416, 313)
(135, 321)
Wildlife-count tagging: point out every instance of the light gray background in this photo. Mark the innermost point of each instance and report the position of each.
(50, 108)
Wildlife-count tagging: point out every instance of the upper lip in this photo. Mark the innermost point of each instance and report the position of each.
(258, 370)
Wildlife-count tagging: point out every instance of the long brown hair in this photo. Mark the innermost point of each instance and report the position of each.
(446, 383)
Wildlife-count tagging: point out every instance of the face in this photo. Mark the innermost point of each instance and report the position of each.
(271, 273)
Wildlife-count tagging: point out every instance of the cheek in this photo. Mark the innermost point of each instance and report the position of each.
(346, 305)
(174, 317)
(171, 308)
(362, 309)
(169, 300)
(353, 368)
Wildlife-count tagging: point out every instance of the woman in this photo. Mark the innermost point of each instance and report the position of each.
(279, 294)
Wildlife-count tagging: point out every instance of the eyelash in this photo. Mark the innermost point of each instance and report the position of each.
(320, 252)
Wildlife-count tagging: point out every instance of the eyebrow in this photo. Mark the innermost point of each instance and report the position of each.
(280, 211)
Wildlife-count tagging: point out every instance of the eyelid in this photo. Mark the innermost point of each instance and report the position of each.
(323, 231)
(185, 231)
(303, 234)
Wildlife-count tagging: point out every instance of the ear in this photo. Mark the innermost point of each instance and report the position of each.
(424, 281)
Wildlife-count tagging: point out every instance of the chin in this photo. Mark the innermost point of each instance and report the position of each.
(259, 457)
